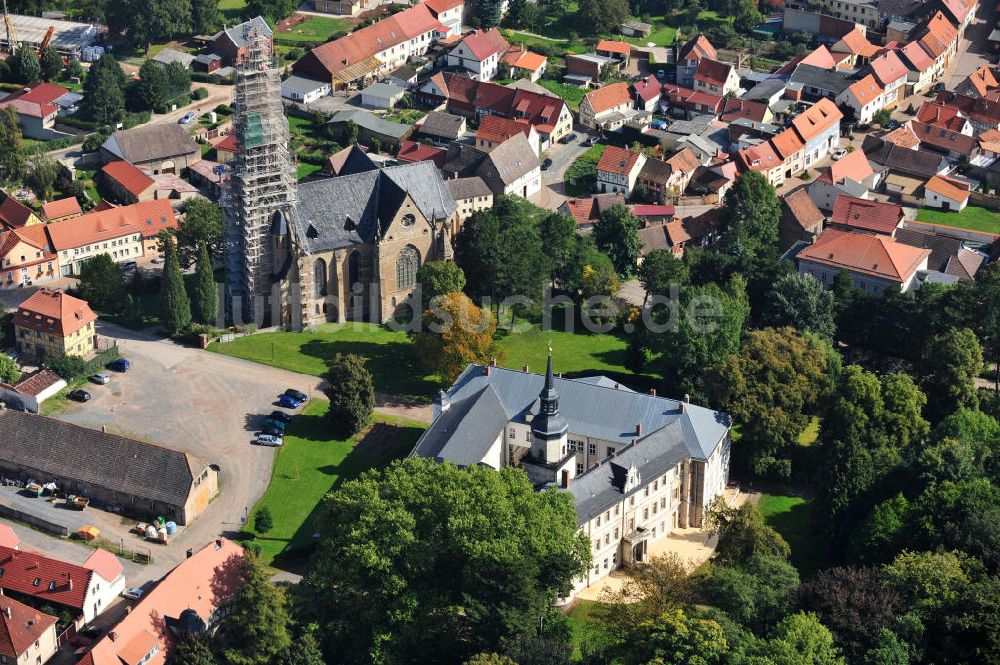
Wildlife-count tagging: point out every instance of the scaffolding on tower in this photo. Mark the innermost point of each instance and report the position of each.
(260, 179)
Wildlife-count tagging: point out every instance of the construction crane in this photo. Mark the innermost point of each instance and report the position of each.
(11, 33)
(46, 39)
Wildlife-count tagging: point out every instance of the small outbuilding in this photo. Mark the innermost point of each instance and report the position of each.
(382, 95)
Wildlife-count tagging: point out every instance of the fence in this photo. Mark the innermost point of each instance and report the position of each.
(984, 200)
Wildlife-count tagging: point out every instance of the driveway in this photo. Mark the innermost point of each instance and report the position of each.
(562, 155)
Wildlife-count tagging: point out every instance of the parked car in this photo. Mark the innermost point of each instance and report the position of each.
(839, 154)
(119, 365)
(276, 424)
(268, 440)
(281, 416)
(270, 430)
(289, 402)
(157, 260)
(892, 124)
(938, 87)
(79, 640)
(99, 379)
(135, 593)
(79, 395)
(129, 266)
(546, 164)
(295, 394)
(187, 117)
(569, 138)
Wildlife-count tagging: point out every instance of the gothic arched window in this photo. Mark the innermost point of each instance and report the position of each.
(353, 269)
(407, 265)
(319, 278)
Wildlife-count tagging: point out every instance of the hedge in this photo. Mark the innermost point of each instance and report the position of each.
(199, 93)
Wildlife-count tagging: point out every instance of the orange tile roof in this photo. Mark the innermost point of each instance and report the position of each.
(21, 629)
(858, 44)
(134, 180)
(888, 68)
(903, 137)
(819, 57)
(582, 210)
(203, 582)
(983, 80)
(483, 44)
(917, 56)
(698, 46)
(816, 119)
(609, 97)
(787, 143)
(494, 129)
(53, 311)
(13, 213)
(33, 235)
(146, 217)
(941, 115)
(62, 208)
(958, 9)
(939, 35)
(854, 166)
(876, 255)
(761, 157)
(105, 564)
(802, 210)
(8, 538)
(524, 59)
(617, 160)
(866, 90)
(440, 6)
(611, 46)
(948, 187)
(683, 161)
(990, 140)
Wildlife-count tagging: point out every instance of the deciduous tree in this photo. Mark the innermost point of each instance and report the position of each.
(660, 270)
(262, 520)
(743, 534)
(102, 284)
(952, 362)
(151, 88)
(202, 223)
(437, 278)
(677, 636)
(24, 65)
(801, 302)
(206, 18)
(9, 373)
(351, 392)
(12, 153)
(616, 234)
(454, 333)
(41, 176)
(50, 63)
(798, 639)
(756, 593)
(256, 628)
(751, 211)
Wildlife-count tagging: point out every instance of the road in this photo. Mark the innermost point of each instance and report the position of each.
(562, 155)
(973, 52)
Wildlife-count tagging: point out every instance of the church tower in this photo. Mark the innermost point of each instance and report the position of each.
(548, 428)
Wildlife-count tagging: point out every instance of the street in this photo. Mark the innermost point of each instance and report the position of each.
(562, 155)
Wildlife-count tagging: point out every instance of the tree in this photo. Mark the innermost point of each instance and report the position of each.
(952, 362)
(67, 366)
(206, 18)
(193, 650)
(800, 639)
(205, 296)
(596, 17)
(24, 65)
(428, 558)
(437, 278)
(12, 152)
(351, 393)
(617, 235)
(558, 235)
(256, 628)
(750, 215)
(262, 520)
(303, 651)
(175, 306)
(151, 88)
(677, 637)
(746, 17)
(202, 224)
(50, 64)
(662, 584)
(41, 177)
(102, 284)
(489, 659)
(801, 302)
(887, 650)
(743, 534)
(178, 80)
(9, 373)
(756, 593)
(660, 270)
(453, 334)
(104, 90)
(771, 386)
(488, 12)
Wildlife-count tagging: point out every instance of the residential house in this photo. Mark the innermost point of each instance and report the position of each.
(525, 64)
(954, 145)
(940, 40)
(463, 161)
(125, 233)
(851, 213)
(989, 144)
(225, 149)
(411, 151)
(619, 454)
(51, 323)
(370, 128)
(683, 165)
(856, 47)
(382, 95)
(190, 600)
(801, 220)
(127, 183)
(946, 193)
(230, 44)
(164, 147)
(83, 590)
(923, 70)
(764, 159)
(403, 76)
(207, 63)
(716, 78)
(60, 209)
(471, 195)
(86, 462)
(606, 107)
(26, 257)
(478, 54)
(618, 170)
(852, 175)
(26, 635)
(818, 82)
(648, 91)
(863, 12)
(677, 234)
(791, 149)
(15, 215)
(587, 211)
(494, 130)
(449, 13)
(950, 255)
(890, 73)
(303, 89)
(582, 69)
(35, 105)
(441, 128)
(657, 178)
(609, 48)
(712, 182)
(865, 97)
(960, 13)
(877, 264)
(690, 55)
(979, 83)
(734, 108)
(819, 129)
(946, 117)
(983, 114)
(512, 168)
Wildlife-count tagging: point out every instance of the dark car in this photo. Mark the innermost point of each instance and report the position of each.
(892, 124)
(79, 395)
(296, 395)
(938, 87)
(274, 423)
(569, 138)
(119, 365)
(281, 416)
(289, 402)
(270, 430)
(546, 164)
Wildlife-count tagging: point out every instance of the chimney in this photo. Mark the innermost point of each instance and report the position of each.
(681, 407)
(190, 552)
(525, 368)
(104, 429)
(113, 635)
(638, 429)
(687, 398)
(652, 391)
(493, 362)
(8, 612)
(69, 584)
(443, 402)
(488, 369)
(613, 453)
(617, 386)
(218, 544)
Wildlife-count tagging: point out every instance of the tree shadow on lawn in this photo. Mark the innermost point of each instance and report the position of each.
(383, 443)
(393, 365)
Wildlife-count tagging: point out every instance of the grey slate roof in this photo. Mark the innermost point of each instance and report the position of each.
(353, 209)
(383, 90)
(465, 432)
(103, 460)
(509, 161)
(834, 82)
(302, 84)
(237, 33)
(147, 143)
(463, 160)
(371, 122)
(765, 90)
(467, 188)
(919, 163)
(444, 125)
(168, 55)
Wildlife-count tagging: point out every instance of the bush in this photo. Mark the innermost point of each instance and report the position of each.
(79, 123)
(199, 93)
(67, 367)
(224, 109)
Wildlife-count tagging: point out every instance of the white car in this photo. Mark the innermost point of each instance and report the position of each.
(99, 379)
(187, 117)
(269, 440)
(157, 260)
(839, 154)
(135, 593)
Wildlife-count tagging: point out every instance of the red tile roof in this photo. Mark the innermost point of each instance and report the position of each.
(802, 210)
(648, 88)
(228, 143)
(609, 97)
(903, 137)
(980, 110)
(816, 119)
(130, 177)
(865, 215)
(697, 48)
(762, 157)
(706, 100)
(53, 311)
(944, 139)
(888, 68)
(484, 44)
(540, 110)
(35, 100)
(734, 109)
(619, 161)
(876, 255)
(441, 6)
(411, 151)
(13, 213)
(58, 581)
(147, 218)
(62, 208)
(857, 44)
(955, 190)
(584, 211)
(866, 90)
(917, 56)
(611, 46)
(941, 115)
(713, 71)
(20, 627)
(105, 564)
(494, 129)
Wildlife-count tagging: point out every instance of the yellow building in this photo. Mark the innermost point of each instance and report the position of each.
(51, 323)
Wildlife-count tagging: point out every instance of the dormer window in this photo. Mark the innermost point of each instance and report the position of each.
(633, 480)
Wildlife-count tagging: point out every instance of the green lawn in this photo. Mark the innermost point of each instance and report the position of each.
(516, 37)
(304, 169)
(571, 94)
(811, 433)
(793, 518)
(581, 174)
(662, 35)
(972, 218)
(395, 367)
(232, 10)
(314, 29)
(310, 464)
(582, 623)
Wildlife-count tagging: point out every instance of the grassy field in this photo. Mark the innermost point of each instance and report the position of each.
(303, 170)
(232, 10)
(394, 366)
(793, 518)
(310, 464)
(313, 29)
(811, 433)
(662, 35)
(581, 174)
(571, 94)
(516, 37)
(972, 218)
(581, 624)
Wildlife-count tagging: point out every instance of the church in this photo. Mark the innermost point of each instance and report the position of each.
(637, 465)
